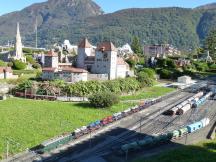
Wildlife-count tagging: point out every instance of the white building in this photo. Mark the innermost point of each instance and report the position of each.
(106, 60)
(125, 51)
(54, 70)
(102, 60)
(7, 73)
(184, 80)
(68, 47)
(160, 51)
(85, 53)
(71, 75)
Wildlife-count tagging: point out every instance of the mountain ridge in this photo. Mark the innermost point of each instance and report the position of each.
(73, 19)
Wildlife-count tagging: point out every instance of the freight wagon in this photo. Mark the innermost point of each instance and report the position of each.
(163, 138)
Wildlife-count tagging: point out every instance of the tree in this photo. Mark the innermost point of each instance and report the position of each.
(210, 43)
(103, 99)
(2, 63)
(136, 46)
(144, 79)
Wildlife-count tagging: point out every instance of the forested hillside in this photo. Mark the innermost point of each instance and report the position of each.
(184, 28)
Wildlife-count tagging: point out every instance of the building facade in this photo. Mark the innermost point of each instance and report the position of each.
(52, 70)
(7, 73)
(160, 51)
(101, 60)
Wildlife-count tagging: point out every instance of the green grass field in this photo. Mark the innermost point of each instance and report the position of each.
(149, 92)
(29, 122)
(202, 152)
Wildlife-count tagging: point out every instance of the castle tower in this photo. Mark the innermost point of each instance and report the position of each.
(19, 52)
(106, 60)
(84, 50)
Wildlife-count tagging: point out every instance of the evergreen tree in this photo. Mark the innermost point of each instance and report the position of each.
(136, 46)
(210, 43)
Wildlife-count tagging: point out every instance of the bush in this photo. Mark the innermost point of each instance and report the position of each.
(36, 66)
(213, 66)
(170, 63)
(103, 99)
(201, 66)
(18, 65)
(151, 73)
(2, 63)
(165, 74)
(30, 59)
(10, 64)
(144, 79)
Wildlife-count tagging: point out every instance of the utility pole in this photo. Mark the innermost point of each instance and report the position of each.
(36, 34)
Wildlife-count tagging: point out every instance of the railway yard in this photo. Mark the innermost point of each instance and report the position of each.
(119, 137)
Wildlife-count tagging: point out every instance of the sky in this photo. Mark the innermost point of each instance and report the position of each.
(110, 5)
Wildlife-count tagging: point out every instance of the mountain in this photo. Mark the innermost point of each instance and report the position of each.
(74, 19)
(50, 14)
(207, 6)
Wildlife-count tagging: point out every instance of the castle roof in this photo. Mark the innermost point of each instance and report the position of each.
(106, 46)
(74, 70)
(85, 44)
(49, 69)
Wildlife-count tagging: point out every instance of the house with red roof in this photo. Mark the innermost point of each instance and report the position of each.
(7, 73)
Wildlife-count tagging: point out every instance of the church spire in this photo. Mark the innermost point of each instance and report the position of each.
(19, 52)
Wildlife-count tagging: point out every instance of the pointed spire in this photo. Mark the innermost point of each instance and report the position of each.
(85, 44)
(19, 52)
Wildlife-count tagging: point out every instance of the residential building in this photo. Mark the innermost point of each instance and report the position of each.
(52, 70)
(7, 73)
(160, 51)
(69, 74)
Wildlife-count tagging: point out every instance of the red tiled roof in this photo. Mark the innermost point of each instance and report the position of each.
(6, 69)
(106, 46)
(74, 70)
(49, 69)
(52, 54)
(85, 44)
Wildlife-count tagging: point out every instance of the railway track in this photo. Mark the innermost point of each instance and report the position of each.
(105, 148)
(135, 126)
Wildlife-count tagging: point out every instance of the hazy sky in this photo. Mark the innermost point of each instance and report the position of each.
(109, 5)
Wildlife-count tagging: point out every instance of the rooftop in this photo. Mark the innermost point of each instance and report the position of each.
(85, 44)
(106, 46)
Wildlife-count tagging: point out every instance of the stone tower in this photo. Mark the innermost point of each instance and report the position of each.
(106, 60)
(19, 52)
(84, 50)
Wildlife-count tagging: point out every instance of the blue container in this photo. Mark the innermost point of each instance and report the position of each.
(194, 127)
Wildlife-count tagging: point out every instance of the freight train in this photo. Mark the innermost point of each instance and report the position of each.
(54, 143)
(192, 102)
(163, 138)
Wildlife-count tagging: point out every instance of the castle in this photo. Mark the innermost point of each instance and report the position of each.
(101, 63)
